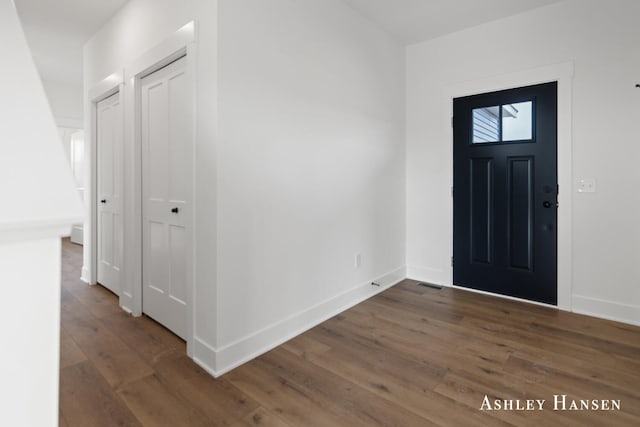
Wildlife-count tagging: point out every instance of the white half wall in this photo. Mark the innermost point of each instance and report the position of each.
(66, 102)
(39, 204)
(31, 363)
(601, 39)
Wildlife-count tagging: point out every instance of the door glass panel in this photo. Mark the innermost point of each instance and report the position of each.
(501, 123)
(486, 124)
(516, 121)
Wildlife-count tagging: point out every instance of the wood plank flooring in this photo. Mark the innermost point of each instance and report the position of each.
(411, 356)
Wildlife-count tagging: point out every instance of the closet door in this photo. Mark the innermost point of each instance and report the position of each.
(166, 192)
(109, 172)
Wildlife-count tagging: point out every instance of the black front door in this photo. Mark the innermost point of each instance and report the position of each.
(505, 192)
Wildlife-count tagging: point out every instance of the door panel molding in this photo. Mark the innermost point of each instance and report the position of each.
(516, 230)
(481, 180)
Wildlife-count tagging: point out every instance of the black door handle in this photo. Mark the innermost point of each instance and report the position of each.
(103, 201)
(175, 210)
(546, 204)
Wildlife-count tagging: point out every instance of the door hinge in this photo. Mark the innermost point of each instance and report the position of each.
(452, 120)
(452, 191)
(451, 261)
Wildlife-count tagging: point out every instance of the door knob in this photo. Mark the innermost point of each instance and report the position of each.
(175, 210)
(103, 201)
(546, 204)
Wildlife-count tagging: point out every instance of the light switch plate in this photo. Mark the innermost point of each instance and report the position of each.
(587, 186)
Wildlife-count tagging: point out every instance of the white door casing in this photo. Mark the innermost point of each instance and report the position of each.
(166, 194)
(109, 191)
(563, 74)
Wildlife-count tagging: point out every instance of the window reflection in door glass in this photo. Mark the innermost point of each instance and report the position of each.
(486, 124)
(517, 121)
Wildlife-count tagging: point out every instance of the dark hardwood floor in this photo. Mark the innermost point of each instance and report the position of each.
(411, 356)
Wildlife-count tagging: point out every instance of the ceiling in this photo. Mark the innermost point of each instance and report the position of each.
(412, 21)
(57, 29)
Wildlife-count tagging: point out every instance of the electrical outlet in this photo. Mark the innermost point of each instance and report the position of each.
(587, 186)
(357, 260)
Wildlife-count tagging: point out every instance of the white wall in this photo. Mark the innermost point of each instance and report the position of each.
(602, 40)
(66, 102)
(39, 204)
(311, 162)
(300, 161)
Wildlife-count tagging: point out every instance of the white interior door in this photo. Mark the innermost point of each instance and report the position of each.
(166, 192)
(109, 172)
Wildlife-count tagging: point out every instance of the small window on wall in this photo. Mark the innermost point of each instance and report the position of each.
(73, 144)
(77, 157)
(503, 123)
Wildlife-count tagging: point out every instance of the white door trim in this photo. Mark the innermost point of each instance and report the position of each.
(182, 42)
(563, 74)
(112, 84)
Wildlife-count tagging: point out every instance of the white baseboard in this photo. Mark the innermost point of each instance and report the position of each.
(85, 276)
(126, 302)
(427, 275)
(610, 310)
(595, 307)
(205, 356)
(77, 235)
(218, 361)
